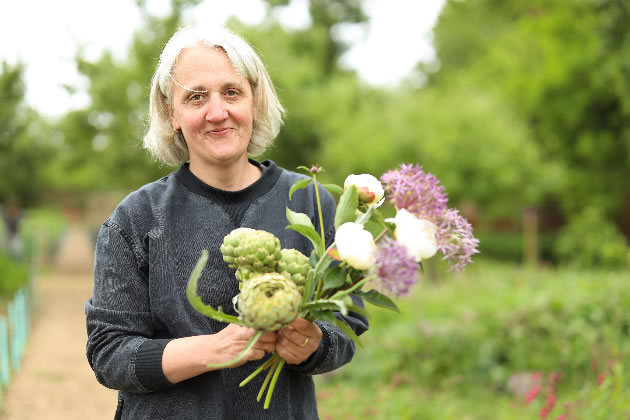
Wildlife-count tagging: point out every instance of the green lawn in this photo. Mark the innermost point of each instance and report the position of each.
(462, 341)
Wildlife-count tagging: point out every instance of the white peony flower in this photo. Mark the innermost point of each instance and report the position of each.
(370, 188)
(416, 234)
(355, 245)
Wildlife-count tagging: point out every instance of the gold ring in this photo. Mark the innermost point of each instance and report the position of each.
(304, 343)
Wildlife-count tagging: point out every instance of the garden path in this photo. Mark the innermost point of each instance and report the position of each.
(55, 380)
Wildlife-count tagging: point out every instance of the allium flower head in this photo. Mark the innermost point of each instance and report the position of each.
(419, 192)
(396, 270)
(455, 240)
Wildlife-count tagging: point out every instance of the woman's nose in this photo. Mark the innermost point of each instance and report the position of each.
(216, 110)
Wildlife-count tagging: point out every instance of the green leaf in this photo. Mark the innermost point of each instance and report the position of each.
(195, 299)
(359, 310)
(298, 218)
(309, 287)
(334, 278)
(333, 188)
(311, 234)
(374, 227)
(348, 331)
(346, 209)
(324, 305)
(378, 299)
(302, 183)
(323, 315)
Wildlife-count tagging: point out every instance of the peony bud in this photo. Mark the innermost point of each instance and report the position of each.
(417, 235)
(355, 245)
(370, 188)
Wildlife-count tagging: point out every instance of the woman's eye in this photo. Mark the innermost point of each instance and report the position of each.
(196, 97)
(231, 93)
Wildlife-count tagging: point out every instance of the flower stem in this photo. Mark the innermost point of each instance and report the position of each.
(274, 365)
(380, 235)
(321, 217)
(273, 384)
(262, 367)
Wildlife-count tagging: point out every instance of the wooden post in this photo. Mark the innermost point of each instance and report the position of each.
(530, 236)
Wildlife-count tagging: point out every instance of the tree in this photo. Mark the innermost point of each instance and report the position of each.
(25, 150)
(567, 81)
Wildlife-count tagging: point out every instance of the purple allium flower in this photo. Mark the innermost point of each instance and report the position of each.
(396, 270)
(419, 192)
(455, 240)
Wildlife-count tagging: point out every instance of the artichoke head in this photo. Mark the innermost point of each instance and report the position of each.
(251, 250)
(268, 301)
(295, 266)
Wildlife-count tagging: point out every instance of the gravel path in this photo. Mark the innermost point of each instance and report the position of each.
(55, 380)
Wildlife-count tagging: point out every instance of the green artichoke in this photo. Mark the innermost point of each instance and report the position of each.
(268, 302)
(251, 251)
(294, 265)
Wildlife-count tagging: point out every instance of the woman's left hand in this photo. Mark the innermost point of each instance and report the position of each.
(298, 340)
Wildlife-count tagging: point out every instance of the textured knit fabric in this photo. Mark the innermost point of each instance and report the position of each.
(145, 253)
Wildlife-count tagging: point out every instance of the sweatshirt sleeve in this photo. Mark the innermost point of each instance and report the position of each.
(336, 348)
(119, 325)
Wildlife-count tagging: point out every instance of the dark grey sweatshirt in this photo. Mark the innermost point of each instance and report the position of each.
(145, 253)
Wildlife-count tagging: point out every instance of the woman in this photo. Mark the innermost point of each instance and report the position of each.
(212, 105)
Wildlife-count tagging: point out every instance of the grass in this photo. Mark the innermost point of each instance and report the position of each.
(461, 338)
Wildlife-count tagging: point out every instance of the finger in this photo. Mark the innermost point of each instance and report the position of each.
(268, 337)
(301, 325)
(288, 355)
(256, 354)
(267, 347)
(290, 336)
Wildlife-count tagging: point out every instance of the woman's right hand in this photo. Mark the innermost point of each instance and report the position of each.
(232, 340)
(186, 357)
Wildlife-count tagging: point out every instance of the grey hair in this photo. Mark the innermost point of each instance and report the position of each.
(168, 145)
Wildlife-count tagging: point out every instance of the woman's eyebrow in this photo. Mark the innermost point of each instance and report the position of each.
(196, 89)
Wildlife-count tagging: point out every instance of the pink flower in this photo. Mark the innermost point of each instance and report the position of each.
(416, 191)
(532, 393)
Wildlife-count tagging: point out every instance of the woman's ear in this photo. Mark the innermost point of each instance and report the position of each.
(176, 125)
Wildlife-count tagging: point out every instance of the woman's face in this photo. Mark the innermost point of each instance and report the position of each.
(212, 105)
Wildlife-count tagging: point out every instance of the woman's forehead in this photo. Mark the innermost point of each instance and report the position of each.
(203, 64)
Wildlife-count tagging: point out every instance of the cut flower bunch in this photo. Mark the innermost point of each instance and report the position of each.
(278, 285)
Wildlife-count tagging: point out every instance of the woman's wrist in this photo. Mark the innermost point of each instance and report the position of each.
(187, 357)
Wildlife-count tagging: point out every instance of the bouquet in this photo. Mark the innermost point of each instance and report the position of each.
(277, 285)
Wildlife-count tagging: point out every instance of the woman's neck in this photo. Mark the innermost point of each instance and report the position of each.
(229, 177)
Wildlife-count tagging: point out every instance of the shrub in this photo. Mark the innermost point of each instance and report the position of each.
(13, 275)
(590, 240)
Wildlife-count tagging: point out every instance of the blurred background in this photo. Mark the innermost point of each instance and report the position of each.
(521, 109)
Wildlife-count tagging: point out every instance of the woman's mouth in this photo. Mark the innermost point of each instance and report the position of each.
(220, 131)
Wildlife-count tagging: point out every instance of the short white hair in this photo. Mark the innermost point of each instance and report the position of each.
(168, 145)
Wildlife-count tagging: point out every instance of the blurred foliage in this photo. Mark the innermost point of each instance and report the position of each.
(458, 346)
(590, 240)
(25, 146)
(567, 82)
(13, 275)
(522, 107)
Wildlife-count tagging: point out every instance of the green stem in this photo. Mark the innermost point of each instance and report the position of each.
(380, 235)
(352, 288)
(267, 378)
(238, 358)
(273, 384)
(262, 367)
(321, 217)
